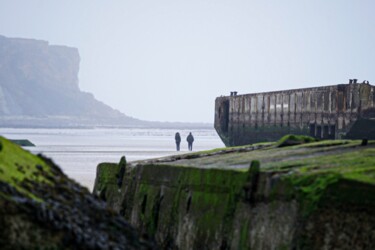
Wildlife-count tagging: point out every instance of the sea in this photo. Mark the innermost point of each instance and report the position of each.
(78, 151)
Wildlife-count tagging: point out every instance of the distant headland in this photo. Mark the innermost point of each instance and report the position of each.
(39, 88)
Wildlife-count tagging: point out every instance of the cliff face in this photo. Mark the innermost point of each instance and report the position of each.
(41, 208)
(318, 195)
(41, 80)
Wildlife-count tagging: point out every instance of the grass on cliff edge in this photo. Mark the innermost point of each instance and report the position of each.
(17, 165)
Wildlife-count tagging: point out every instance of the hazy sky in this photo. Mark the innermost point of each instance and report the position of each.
(168, 60)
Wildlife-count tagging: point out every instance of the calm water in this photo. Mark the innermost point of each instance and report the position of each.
(78, 151)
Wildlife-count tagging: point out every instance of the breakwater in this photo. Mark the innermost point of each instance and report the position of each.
(329, 112)
(286, 195)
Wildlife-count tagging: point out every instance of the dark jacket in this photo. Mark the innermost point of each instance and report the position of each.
(177, 137)
(190, 138)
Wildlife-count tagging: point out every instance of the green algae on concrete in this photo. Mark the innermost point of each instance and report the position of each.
(107, 173)
(214, 200)
(313, 178)
(209, 195)
(291, 140)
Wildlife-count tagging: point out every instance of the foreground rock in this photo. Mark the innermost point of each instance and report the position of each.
(315, 195)
(41, 208)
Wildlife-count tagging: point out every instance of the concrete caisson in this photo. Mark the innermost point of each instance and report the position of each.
(328, 112)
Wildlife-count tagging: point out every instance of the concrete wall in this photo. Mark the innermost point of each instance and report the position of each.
(190, 208)
(324, 112)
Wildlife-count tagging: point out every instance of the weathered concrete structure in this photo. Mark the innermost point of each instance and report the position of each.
(317, 195)
(329, 112)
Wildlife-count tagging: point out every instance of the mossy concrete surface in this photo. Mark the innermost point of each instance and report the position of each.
(305, 195)
(41, 208)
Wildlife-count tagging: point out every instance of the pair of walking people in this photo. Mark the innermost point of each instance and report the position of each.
(189, 139)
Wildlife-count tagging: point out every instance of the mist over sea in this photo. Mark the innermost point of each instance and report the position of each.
(79, 151)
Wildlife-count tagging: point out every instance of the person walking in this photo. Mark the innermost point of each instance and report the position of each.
(190, 139)
(177, 138)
